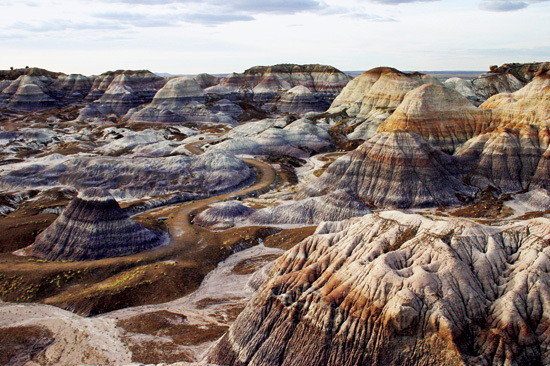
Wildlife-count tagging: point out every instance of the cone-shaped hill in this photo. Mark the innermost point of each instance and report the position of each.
(395, 169)
(93, 226)
(441, 116)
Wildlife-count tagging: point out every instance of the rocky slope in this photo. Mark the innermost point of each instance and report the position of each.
(299, 100)
(119, 91)
(503, 144)
(334, 206)
(115, 92)
(317, 78)
(394, 288)
(528, 105)
(395, 169)
(203, 98)
(34, 89)
(299, 139)
(507, 78)
(441, 116)
(264, 83)
(129, 178)
(507, 160)
(287, 89)
(514, 156)
(222, 213)
(93, 226)
(373, 96)
(183, 99)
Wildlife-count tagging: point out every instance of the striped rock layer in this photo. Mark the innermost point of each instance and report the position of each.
(399, 289)
(117, 92)
(441, 116)
(93, 226)
(373, 96)
(395, 169)
(508, 78)
(334, 206)
(437, 148)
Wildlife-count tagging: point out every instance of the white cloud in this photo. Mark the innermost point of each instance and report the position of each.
(395, 2)
(507, 5)
(188, 36)
(247, 6)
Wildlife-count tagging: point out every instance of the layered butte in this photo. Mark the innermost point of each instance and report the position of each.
(374, 95)
(441, 116)
(437, 148)
(119, 91)
(514, 156)
(93, 226)
(396, 169)
(399, 289)
(507, 78)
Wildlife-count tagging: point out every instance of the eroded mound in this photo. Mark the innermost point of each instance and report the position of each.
(334, 206)
(93, 226)
(395, 289)
(440, 115)
(395, 169)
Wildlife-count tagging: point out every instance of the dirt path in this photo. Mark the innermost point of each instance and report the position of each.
(193, 250)
(182, 233)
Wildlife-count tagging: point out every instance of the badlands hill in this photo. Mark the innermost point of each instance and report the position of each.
(457, 276)
(397, 169)
(119, 91)
(132, 94)
(438, 149)
(317, 78)
(93, 226)
(401, 289)
(441, 116)
(111, 92)
(373, 96)
(285, 88)
(507, 78)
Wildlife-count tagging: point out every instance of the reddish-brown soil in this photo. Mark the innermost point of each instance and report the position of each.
(488, 206)
(338, 133)
(19, 345)
(156, 276)
(153, 352)
(286, 239)
(253, 264)
(327, 159)
(172, 326)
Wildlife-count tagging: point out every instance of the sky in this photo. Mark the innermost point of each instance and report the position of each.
(222, 36)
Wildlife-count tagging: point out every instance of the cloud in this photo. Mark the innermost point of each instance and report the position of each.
(62, 25)
(497, 5)
(215, 19)
(370, 17)
(125, 20)
(236, 6)
(139, 20)
(395, 2)
(12, 36)
(206, 12)
(174, 19)
(507, 5)
(274, 6)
